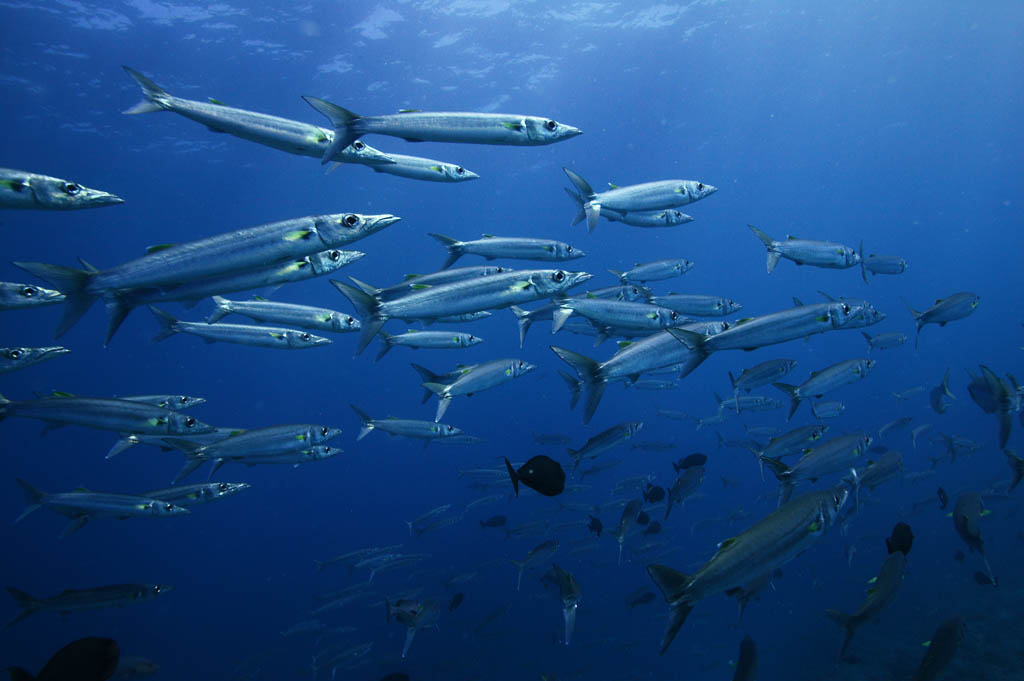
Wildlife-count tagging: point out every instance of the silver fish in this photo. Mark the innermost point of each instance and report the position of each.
(945, 310)
(15, 296)
(492, 247)
(21, 358)
(243, 334)
(20, 189)
(302, 316)
(806, 252)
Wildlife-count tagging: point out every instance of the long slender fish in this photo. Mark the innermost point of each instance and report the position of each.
(834, 456)
(12, 359)
(771, 543)
(479, 377)
(654, 271)
(422, 430)
(654, 218)
(426, 169)
(278, 338)
(203, 493)
(884, 341)
(825, 381)
(492, 247)
(616, 314)
(122, 416)
(287, 135)
(941, 649)
(20, 189)
(434, 340)
(302, 316)
(698, 305)
(15, 296)
(807, 252)
(945, 310)
(460, 127)
(645, 197)
(761, 374)
(70, 600)
(240, 250)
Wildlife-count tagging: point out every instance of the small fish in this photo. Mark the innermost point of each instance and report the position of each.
(642, 518)
(494, 521)
(984, 579)
(901, 540)
(827, 410)
(690, 461)
(1016, 464)
(456, 601)
(20, 189)
(654, 271)
(807, 252)
(909, 393)
(945, 310)
(653, 493)
(541, 473)
(87, 659)
(943, 499)
(595, 525)
(884, 341)
(894, 424)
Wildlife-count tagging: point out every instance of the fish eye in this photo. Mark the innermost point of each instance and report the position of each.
(335, 255)
(471, 338)
(350, 320)
(558, 276)
(183, 399)
(222, 487)
(568, 249)
(351, 220)
(550, 125)
(846, 309)
(451, 428)
(499, 270)
(304, 336)
(673, 315)
(520, 364)
(29, 291)
(323, 431)
(700, 186)
(358, 146)
(459, 170)
(71, 188)
(168, 507)
(190, 421)
(14, 353)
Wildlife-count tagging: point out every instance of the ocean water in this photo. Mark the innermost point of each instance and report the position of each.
(895, 124)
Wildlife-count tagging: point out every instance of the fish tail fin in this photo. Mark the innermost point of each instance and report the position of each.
(168, 324)
(732, 381)
(917, 321)
(118, 309)
(559, 316)
(155, 97)
(367, 307)
(385, 344)
(863, 269)
(342, 119)
(32, 495)
(589, 373)
(523, 320)
(867, 337)
(848, 624)
(575, 387)
(191, 464)
(72, 283)
(222, 310)
(672, 584)
(945, 386)
(1017, 466)
(454, 247)
(769, 244)
(591, 208)
(428, 376)
(581, 212)
(366, 421)
(618, 275)
(794, 398)
(127, 441)
(25, 601)
(512, 474)
(776, 466)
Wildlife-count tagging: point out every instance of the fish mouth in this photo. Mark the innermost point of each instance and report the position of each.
(55, 351)
(96, 198)
(469, 175)
(380, 221)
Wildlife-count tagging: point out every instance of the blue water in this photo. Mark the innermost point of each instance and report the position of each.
(893, 123)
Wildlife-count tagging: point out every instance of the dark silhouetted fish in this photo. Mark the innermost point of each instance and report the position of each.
(595, 525)
(746, 665)
(494, 521)
(901, 540)
(541, 473)
(941, 649)
(653, 494)
(653, 528)
(943, 499)
(983, 579)
(690, 461)
(456, 601)
(87, 659)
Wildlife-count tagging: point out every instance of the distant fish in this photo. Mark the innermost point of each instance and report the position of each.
(945, 310)
(87, 659)
(456, 601)
(746, 665)
(941, 649)
(806, 252)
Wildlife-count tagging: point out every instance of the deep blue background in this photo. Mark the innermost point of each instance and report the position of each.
(895, 123)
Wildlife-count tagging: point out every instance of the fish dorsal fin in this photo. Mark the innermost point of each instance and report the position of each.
(404, 111)
(150, 250)
(624, 344)
(213, 100)
(411, 276)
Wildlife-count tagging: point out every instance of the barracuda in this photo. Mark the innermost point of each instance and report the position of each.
(20, 189)
(123, 416)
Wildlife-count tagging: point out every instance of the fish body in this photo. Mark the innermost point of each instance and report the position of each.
(12, 359)
(426, 169)
(657, 218)
(885, 264)
(791, 441)
(996, 397)
(569, 593)
(479, 377)
(684, 487)
(746, 664)
(123, 416)
(830, 457)
(941, 649)
(24, 190)
(747, 403)
(771, 543)
(945, 310)
(616, 314)
(294, 137)
(422, 430)
(657, 270)
(203, 493)
(643, 198)
(416, 282)
(761, 374)
(807, 252)
(537, 555)
(827, 410)
(433, 340)
(14, 296)
(879, 596)
(698, 305)
(275, 337)
(629, 516)
(604, 441)
(290, 314)
(883, 469)
(494, 247)
(884, 341)
(827, 380)
(73, 600)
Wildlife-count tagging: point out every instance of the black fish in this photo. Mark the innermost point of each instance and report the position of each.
(941, 649)
(959, 556)
(653, 528)
(495, 521)
(642, 518)
(746, 665)
(690, 461)
(653, 494)
(901, 540)
(456, 601)
(943, 499)
(983, 579)
(595, 525)
(541, 473)
(87, 659)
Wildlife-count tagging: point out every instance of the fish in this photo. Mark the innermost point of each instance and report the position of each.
(494, 521)
(884, 341)
(943, 498)
(222, 254)
(832, 456)
(492, 247)
(25, 190)
(967, 513)
(569, 593)
(14, 296)
(653, 528)
(442, 126)
(882, 591)
(278, 133)
(604, 441)
(12, 359)
(429, 515)
(135, 668)
(436, 340)
(945, 310)
(442, 300)
(746, 664)
(653, 494)
(917, 431)
(684, 487)
(807, 252)
(641, 596)
(416, 282)
(1016, 464)
(752, 590)
(541, 473)
(122, 416)
(901, 422)
(828, 379)
(883, 468)
(477, 378)
(983, 579)
(827, 410)
(190, 495)
(941, 649)
(595, 526)
(657, 270)
(456, 601)
(657, 218)
(909, 393)
(937, 396)
(769, 544)
(761, 374)
(416, 168)
(278, 338)
(538, 554)
(698, 305)
(71, 600)
(629, 516)
(645, 197)
(290, 314)
(996, 397)
(883, 264)
(609, 315)
(87, 659)
(741, 403)
(689, 461)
